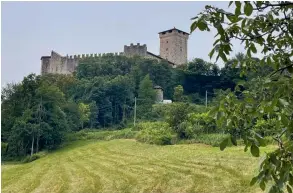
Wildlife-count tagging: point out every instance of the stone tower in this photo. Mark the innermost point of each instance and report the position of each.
(173, 46)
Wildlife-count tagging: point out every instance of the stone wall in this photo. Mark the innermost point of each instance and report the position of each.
(45, 64)
(58, 64)
(173, 46)
(133, 50)
(159, 94)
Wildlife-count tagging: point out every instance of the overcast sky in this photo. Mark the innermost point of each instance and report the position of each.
(32, 29)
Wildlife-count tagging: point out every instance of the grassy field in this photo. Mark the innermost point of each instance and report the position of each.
(128, 166)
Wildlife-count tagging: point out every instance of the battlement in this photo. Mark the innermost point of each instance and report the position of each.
(56, 63)
(83, 56)
(173, 31)
(137, 49)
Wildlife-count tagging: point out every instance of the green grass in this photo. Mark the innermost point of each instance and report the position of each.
(124, 165)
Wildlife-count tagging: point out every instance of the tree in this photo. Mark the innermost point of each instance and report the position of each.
(176, 115)
(35, 116)
(85, 112)
(178, 93)
(94, 112)
(146, 97)
(265, 27)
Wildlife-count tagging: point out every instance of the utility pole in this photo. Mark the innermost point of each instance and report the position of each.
(134, 118)
(206, 99)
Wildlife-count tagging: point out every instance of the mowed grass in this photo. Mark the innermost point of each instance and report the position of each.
(129, 166)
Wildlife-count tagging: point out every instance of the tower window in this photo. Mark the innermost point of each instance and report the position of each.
(166, 49)
(167, 41)
(181, 49)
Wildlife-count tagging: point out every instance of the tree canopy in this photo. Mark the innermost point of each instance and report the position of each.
(266, 30)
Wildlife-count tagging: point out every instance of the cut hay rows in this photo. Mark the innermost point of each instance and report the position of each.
(129, 166)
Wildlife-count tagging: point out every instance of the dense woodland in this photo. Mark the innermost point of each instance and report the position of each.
(40, 110)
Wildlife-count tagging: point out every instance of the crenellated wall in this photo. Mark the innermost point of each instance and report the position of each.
(137, 49)
(59, 64)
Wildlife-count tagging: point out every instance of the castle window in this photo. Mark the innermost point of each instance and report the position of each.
(167, 41)
(166, 49)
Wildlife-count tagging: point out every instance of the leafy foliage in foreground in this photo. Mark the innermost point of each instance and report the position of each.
(268, 27)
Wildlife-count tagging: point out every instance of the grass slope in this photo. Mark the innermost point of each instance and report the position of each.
(128, 166)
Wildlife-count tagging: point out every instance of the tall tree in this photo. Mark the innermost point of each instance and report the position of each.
(84, 110)
(146, 97)
(265, 27)
(178, 93)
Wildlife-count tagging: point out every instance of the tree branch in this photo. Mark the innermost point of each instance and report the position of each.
(281, 69)
(273, 5)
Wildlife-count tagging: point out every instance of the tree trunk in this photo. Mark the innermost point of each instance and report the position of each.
(124, 110)
(37, 148)
(32, 149)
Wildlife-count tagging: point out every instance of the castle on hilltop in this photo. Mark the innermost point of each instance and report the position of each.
(173, 49)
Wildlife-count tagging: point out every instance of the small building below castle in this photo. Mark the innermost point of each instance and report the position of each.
(173, 49)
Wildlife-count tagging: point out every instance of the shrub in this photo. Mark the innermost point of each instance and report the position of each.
(209, 139)
(148, 124)
(203, 122)
(34, 157)
(160, 136)
(29, 158)
(176, 116)
(88, 134)
(155, 133)
(121, 134)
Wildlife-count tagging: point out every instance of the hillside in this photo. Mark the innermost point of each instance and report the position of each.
(129, 166)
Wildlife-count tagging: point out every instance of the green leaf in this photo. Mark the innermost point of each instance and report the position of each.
(238, 4)
(273, 159)
(212, 53)
(289, 189)
(248, 8)
(284, 120)
(253, 181)
(291, 179)
(254, 150)
(262, 185)
(246, 148)
(249, 52)
(283, 102)
(269, 61)
(233, 140)
(260, 140)
(243, 23)
(238, 10)
(252, 47)
(201, 25)
(193, 26)
(224, 144)
(223, 56)
(262, 62)
(230, 3)
(216, 42)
